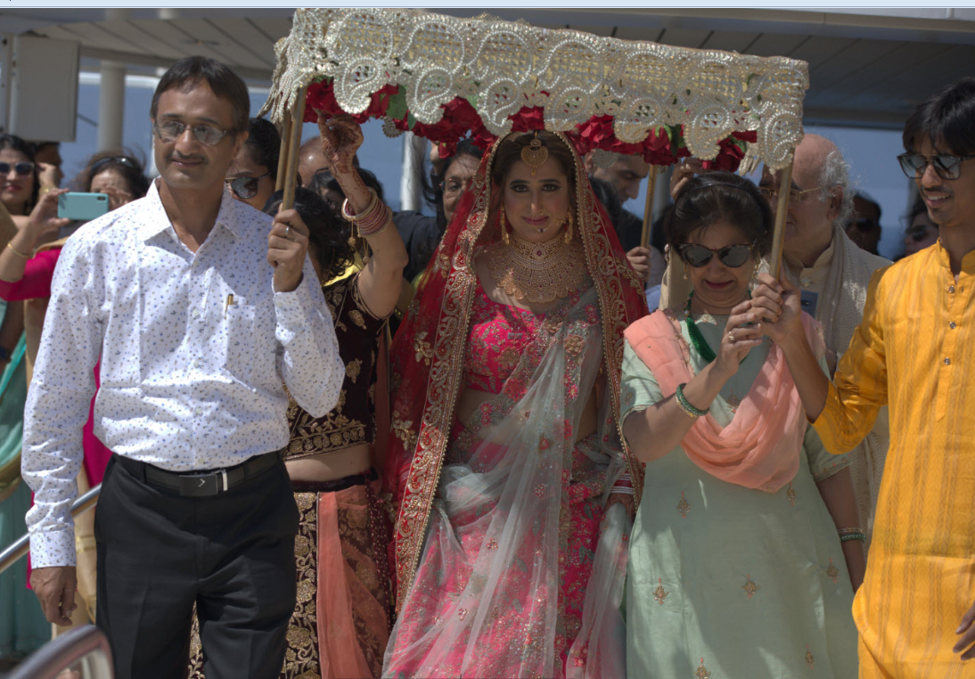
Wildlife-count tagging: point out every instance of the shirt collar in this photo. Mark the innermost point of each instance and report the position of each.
(824, 259)
(967, 262)
(157, 220)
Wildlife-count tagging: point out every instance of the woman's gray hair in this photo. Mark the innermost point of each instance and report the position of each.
(836, 173)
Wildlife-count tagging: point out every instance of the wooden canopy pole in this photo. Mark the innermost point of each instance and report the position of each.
(648, 210)
(291, 169)
(785, 186)
(283, 155)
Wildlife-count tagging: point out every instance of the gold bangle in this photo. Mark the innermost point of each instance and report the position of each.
(16, 251)
(44, 190)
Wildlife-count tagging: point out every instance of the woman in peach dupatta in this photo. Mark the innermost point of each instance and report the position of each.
(737, 567)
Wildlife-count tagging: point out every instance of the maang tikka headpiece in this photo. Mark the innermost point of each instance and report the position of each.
(534, 155)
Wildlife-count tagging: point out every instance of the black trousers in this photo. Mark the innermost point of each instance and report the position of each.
(232, 554)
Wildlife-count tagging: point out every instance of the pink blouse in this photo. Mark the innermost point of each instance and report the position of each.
(499, 335)
(36, 281)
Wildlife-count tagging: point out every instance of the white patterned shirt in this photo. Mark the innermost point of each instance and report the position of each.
(194, 349)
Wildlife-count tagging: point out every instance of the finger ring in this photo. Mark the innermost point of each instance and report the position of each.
(287, 232)
(731, 338)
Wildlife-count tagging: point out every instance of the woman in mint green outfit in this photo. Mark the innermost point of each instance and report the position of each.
(737, 568)
(23, 628)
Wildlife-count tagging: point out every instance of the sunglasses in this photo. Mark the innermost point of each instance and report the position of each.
(22, 168)
(698, 255)
(947, 167)
(245, 188)
(113, 160)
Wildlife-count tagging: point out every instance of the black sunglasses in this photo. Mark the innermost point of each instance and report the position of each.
(947, 167)
(698, 255)
(245, 188)
(115, 160)
(23, 168)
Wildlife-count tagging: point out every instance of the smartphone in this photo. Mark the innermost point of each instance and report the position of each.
(82, 206)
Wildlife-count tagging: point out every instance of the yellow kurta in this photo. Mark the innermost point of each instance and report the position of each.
(914, 351)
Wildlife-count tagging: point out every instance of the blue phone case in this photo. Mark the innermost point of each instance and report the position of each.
(82, 206)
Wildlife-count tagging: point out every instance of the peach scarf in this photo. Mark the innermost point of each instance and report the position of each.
(760, 447)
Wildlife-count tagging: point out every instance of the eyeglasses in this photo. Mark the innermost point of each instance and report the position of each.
(915, 165)
(171, 130)
(698, 255)
(22, 168)
(245, 188)
(795, 195)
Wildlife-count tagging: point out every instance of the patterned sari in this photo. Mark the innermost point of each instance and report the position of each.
(506, 563)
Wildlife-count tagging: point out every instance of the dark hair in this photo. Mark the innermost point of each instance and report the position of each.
(222, 81)
(264, 144)
(870, 201)
(947, 118)
(323, 181)
(328, 231)
(720, 196)
(126, 164)
(432, 192)
(510, 151)
(15, 143)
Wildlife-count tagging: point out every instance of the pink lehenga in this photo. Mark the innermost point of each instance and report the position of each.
(521, 570)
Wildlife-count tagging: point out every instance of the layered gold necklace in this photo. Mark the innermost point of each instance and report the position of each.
(538, 272)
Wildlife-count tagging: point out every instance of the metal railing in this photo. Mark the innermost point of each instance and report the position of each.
(18, 549)
(81, 653)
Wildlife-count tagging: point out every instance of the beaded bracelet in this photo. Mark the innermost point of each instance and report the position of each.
(685, 405)
(852, 530)
(853, 536)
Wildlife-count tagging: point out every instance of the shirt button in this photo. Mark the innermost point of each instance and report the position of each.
(947, 361)
(199, 411)
(952, 325)
(195, 313)
(195, 363)
(805, 282)
(951, 289)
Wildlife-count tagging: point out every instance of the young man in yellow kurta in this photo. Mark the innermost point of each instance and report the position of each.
(915, 352)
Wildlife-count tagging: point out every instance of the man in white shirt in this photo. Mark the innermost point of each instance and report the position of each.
(201, 311)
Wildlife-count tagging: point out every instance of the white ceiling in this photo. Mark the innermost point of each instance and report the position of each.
(867, 66)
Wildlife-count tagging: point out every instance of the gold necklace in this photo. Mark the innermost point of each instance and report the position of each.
(538, 272)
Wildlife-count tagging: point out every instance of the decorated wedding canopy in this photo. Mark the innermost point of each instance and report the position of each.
(446, 79)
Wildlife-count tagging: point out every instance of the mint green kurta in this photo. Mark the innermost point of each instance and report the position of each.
(744, 583)
(23, 627)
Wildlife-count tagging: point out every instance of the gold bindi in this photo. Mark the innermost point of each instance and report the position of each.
(534, 155)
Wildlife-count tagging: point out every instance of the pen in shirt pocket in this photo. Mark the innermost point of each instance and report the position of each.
(230, 302)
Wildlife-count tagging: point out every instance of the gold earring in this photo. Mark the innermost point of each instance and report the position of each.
(504, 229)
(686, 275)
(568, 228)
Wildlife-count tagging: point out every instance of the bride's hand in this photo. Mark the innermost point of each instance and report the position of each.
(341, 138)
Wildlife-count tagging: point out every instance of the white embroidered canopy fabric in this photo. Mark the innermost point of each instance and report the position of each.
(506, 65)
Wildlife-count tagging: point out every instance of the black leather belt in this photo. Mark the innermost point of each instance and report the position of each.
(202, 484)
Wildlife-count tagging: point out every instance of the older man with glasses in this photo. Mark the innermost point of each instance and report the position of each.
(832, 274)
(914, 350)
